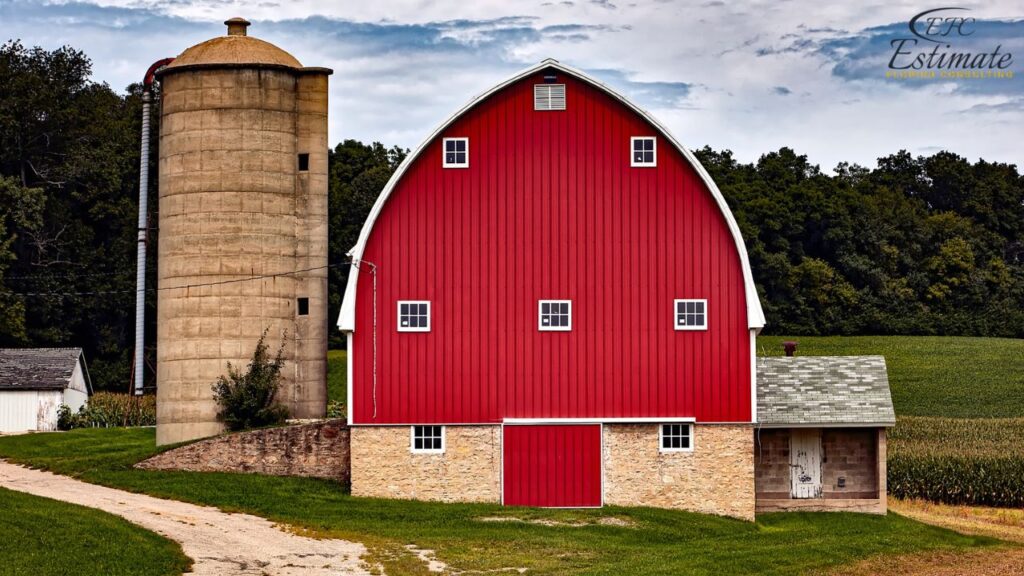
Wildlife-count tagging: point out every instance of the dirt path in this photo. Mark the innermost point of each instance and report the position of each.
(220, 544)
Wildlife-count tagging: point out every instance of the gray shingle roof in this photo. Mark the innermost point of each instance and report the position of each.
(37, 368)
(825, 390)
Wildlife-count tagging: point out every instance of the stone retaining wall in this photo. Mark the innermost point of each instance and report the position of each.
(318, 449)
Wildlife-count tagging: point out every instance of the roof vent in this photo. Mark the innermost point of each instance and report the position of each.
(549, 97)
(236, 26)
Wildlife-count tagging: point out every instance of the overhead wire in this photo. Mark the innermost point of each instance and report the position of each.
(179, 287)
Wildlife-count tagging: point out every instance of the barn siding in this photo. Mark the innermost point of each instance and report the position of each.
(46, 411)
(18, 410)
(551, 209)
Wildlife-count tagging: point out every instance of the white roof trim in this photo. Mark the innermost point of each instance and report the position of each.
(346, 320)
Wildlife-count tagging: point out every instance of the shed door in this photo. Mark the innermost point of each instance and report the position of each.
(552, 465)
(805, 462)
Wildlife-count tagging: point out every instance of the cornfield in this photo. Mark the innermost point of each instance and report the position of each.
(958, 461)
(107, 410)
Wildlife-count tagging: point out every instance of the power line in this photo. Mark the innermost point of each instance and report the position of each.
(181, 287)
(68, 276)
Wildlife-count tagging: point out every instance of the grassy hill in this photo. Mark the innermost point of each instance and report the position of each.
(950, 376)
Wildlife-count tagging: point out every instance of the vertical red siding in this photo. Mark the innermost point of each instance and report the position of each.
(551, 209)
(552, 466)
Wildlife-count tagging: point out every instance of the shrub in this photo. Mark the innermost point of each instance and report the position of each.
(109, 410)
(958, 461)
(248, 400)
(65, 418)
(335, 409)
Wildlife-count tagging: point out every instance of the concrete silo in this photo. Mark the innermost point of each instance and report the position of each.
(243, 194)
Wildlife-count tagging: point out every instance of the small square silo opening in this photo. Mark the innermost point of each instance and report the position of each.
(303, 162)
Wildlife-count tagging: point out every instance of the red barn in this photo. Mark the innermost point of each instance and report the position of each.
(551, 305)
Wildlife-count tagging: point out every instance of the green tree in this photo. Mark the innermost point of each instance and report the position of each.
(20, 208)
(76, 142)
(358, 174)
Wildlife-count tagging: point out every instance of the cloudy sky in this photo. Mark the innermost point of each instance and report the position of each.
(750, 77)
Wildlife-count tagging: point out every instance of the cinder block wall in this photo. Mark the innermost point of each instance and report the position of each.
(772, 472)
(469, 470)
(849, 453)
(856, 454)
(717, 477)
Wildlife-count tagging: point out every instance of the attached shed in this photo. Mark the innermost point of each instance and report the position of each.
(820, 440)
(34, 382)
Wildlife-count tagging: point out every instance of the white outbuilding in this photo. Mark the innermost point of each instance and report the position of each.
(34, 382)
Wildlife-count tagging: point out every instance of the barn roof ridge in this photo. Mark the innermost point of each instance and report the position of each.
(755, 314)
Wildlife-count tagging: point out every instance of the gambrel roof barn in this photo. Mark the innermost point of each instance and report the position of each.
(551, 304)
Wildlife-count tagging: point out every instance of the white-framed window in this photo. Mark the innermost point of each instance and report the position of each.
(675, 438)
(456, 152)
(427, 439)
(554, 315)
(691, 314)
(644, 151)
(413, 316)
(549, 96)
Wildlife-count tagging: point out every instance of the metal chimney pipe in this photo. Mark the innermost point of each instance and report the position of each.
(140, 257)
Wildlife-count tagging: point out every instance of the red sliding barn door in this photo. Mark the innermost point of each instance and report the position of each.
(552, 465)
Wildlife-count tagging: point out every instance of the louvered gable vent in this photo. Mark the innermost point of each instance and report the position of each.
(549, 97)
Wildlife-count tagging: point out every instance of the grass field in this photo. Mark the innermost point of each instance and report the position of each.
(947, 376)
(45, 537)
(642, 540)
(337, 376)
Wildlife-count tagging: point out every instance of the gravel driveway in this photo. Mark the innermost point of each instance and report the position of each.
(218, 543)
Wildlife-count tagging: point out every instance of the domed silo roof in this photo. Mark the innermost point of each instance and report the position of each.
(237, 49)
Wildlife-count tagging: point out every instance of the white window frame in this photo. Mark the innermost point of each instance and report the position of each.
(540, 316)
(632, 150)
(661, 437)
(675, 313)
(412, 440)
(444, 153)
(398, 316)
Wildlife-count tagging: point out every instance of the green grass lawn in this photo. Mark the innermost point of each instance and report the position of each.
(45, 537)
(337, 376)
(948, 376)
(653, 541)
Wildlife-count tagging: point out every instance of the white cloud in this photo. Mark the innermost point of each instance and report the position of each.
(403, 66)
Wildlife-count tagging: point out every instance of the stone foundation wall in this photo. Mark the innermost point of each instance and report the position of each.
(469, 470)
(318, 449)
(717, 477)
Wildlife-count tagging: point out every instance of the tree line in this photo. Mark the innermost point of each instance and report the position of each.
(916, 245)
